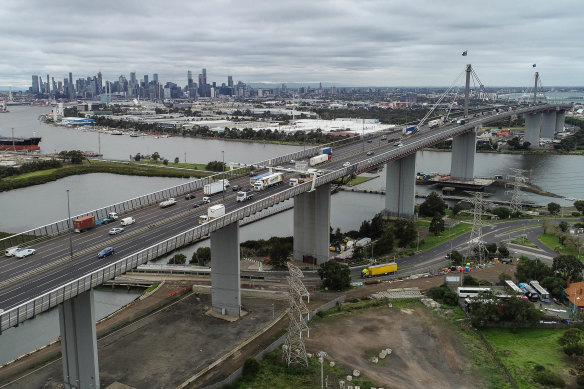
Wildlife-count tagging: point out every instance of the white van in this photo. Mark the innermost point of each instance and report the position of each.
(127, 221)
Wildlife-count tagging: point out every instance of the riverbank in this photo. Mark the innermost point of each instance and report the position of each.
(93, 166)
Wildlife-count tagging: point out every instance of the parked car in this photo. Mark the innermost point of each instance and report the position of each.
(190, 196)
(24, 253)
(116, 230)
(106, 252)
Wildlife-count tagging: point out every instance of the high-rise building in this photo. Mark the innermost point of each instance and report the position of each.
(189, 78)
(155, 78)
(35, 85)
(230, 81)
(48, 87)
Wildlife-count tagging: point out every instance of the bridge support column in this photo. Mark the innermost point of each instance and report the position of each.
(548, 125)
(400, 185)
(312, 224)
(463, 156)
(560, 120)
(79, 342)
(226, 287)
(532, 129)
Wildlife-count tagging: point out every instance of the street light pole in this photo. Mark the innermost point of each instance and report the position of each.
(69, 224)
(223, 180)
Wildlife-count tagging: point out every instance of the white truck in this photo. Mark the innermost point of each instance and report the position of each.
(113, 215)
(268, 181)
(435, 123)
(243, 196)
(319, 159)
(167, 203)
(213, 212)
(215, 187)
(127, 221)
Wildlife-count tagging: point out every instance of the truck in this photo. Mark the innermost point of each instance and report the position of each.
(461, 121)
(83, 223)
(327, 150)
(268, 181)
(113, 215)
(435, 123)
(167, 203)
(254, 179)
(213, 212)
(410, 130)
(243, 196)
(215, 187)
(127, 221)
(378, 270)
(319, 159)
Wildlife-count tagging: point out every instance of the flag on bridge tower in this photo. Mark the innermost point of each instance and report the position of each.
(533, 65)
(464, 53)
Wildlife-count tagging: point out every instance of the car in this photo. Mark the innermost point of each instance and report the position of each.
(24, 253)
(370, 141)
(398, 144)
(206, 200)
(235, 188)
(347, 164)
(106, 252)
(103, 221)
(199, 204)
(190, 196)
(11, 251)
(292, 162)
(370, 153)
(116, 230)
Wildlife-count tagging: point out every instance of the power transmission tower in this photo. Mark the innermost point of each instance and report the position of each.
(518, 182)
(476, 234)
(294, 349)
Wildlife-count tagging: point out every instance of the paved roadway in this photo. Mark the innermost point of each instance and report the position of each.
(23, 279)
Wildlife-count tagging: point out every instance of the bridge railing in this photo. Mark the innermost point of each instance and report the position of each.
(62, 226)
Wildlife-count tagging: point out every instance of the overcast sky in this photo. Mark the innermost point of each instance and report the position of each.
(349, 43)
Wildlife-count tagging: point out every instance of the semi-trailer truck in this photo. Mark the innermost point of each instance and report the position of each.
(167, 203)
(435, 123)
(268, 181)
(327, 150)
(319, 159)
(410, 130)
(213, 212)
(83, 223)
(377, 270)
(215, 187)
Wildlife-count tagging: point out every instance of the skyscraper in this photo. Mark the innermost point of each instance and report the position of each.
(230, 81)
(189, 78)
(35, 84)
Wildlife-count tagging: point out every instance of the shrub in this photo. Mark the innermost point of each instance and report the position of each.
(549, 378)
(251, 368)
(574, 349)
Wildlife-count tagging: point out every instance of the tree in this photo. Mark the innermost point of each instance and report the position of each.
(176, 160)
(579, 205)
(76, 156)
(335, 276)
(165, 162)
(563, 226)
(571, 336)
(502, 212)
(201, 256)
(569, 267)
(155, 156)
(491, 249)
(437, 224)
(432, 205)
(503, 250)
(555, 285)
(532, 269)
(554, 208)
(358, 253)
(279, 254)
(502, 278)
(456, 258)
(137, 157)
(178, 259)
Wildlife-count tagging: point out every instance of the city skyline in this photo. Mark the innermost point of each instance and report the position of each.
(336, 42)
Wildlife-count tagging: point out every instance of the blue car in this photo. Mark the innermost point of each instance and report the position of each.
(105, 252)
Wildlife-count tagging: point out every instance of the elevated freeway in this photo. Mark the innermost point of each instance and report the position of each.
(32, 285)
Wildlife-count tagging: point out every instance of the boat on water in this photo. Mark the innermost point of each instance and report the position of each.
(3, 108)
(117, 133)
(20, 143)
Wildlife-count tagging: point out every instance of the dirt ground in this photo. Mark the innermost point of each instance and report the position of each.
(424, 354)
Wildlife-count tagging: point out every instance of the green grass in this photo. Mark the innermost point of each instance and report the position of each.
(524, 242)
(152, 287)
(521, 350)
(195, 166)
(358, 180)
(432, 240)
(553, 242)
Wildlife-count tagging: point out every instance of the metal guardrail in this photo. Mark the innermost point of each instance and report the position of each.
(31, 308)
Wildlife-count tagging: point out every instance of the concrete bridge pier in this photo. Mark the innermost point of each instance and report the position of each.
(560, 120)
(79, 342)
(463, 156)
(312, 212)
(533, 129)
(548, 125)
(400, 185)
(226, 286)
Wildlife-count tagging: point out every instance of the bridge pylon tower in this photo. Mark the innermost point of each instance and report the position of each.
(294, 348)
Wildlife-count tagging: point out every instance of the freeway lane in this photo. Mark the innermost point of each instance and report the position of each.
(36, 275)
